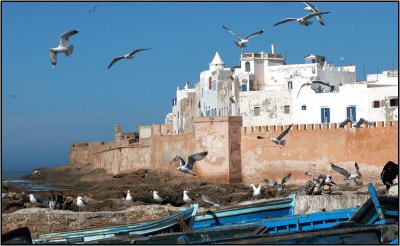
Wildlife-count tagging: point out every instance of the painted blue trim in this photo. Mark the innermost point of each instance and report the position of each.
(376, 202)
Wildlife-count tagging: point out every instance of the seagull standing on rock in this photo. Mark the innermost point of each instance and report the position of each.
(156, 197)
(128, 197)
(127, 56)
(32, 199)
(256, 190)
(80, 202)
(63, 47)
(187, 168)
(186, 198)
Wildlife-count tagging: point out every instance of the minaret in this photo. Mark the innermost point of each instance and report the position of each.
(216, 63)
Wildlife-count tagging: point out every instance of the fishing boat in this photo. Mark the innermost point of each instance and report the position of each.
(20, 235)
(174, 223)
(244, 214)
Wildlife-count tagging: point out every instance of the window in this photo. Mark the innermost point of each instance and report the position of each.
(286, 109)
(304, 107)
(376, 104)
(247, 67)
(313, 70)
(209, 83)
(290, 85)
(256, 111)
(394, 102)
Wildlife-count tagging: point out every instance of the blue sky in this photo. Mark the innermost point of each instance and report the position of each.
(81, 100)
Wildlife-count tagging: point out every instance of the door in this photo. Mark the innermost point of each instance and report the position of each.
(325, 115)
(351, 113)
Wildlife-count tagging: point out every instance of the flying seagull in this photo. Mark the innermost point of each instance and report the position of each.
(63, 47)
(127, 56)
(36, 172)
(280, 187)
(257, 191)
(242, 43)
(80, 202)
(187, 198)
(11, 95)
(209, 200)
(187, 167)
(310, 83)
(93, 9)
(362, 121)
(279, 139)
(356, 177)
(343, 123)
(302, 20)
(314, 9)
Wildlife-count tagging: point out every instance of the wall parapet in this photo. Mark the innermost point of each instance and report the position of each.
(312, 127)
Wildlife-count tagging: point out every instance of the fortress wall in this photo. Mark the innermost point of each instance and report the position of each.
(371, 147)
(79, 153)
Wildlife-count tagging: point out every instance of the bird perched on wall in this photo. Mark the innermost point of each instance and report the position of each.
(280, 187)
(188, 167)
(36, 173)
(63, 47)
(187, 198)
(257, 190)
(362, 121)
(314, 9)
(279, 139)
(127, 56)
(211, 201)
(302, 20)
(93, 9)
(157, 197)
(80, 202)
(243, 41)
(356, 177)
(345, 122)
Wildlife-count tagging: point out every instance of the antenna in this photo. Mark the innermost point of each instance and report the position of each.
(365, 79)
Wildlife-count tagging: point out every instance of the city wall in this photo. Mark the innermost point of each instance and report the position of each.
(236, 155)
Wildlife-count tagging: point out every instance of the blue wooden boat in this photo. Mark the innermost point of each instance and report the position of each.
(173, 223)
(244, 214)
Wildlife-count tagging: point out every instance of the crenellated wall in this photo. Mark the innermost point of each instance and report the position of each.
(236, 155)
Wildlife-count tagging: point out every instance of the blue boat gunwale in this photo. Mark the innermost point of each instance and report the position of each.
(146, 226)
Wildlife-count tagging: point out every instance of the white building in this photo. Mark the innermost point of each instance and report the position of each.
(266, 91)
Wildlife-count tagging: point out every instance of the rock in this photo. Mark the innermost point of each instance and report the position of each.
(119, 175)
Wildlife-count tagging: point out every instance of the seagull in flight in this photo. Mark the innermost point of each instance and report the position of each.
(279, 139)
(257, 190)
(311, 83)
(362, 121)
(93, 9)
(302, 20)
(36, 172)
(314, 9)
(343, 123)
(187, 167)
(280, 187)
(63, 47)
(356, 177)
(127, 56)
(11, 95)
(242, 43)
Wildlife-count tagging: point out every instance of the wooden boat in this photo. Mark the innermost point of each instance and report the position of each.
(173, 223)
(244, 214)
(20, 235)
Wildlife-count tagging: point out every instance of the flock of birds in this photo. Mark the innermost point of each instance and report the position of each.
(67, 49)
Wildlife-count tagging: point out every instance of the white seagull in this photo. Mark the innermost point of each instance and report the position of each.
(188, 167)
(128, 197)
(93, 9)
(279, 139)
(156, 197)
(314, 9)
(356, 177)
(311, 83)
(127, 56)
(32, 198)
(186, 198)
(63, 47)
(36, 172)
(80, 202)
(326, 179)
(302, 20)
(256, 190)
(242, 43)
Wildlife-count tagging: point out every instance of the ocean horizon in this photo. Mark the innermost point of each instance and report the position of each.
(14, 175)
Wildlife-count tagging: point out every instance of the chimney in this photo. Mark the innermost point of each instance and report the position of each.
(273, 48)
